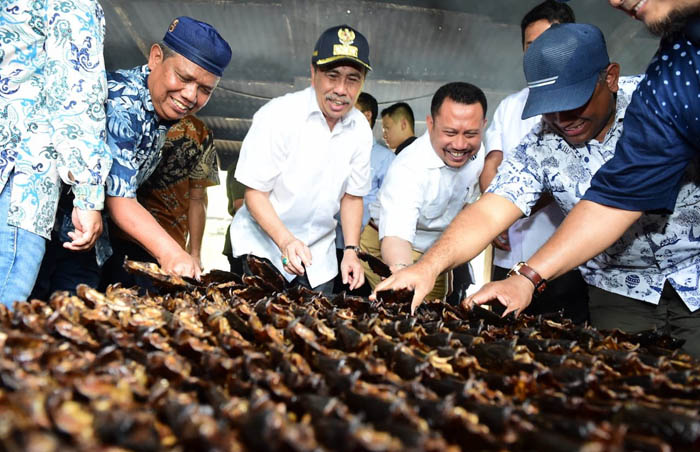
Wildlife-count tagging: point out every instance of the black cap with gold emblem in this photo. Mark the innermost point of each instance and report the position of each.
(341, 42)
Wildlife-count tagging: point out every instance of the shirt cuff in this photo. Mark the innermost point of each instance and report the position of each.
(89, 197)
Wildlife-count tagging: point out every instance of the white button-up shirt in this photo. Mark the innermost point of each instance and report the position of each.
(421, 195)
(291, 153)
(506, 131)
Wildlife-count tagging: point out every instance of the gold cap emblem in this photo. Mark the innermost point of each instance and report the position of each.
(172, 26)
(346, 38)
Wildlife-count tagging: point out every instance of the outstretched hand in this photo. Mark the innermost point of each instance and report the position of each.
(183, 264)
(514, 292)
(351, 270)
(414, 277)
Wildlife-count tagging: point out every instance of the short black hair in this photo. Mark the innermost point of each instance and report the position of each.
(460, 92)
(552, 11)
(401, 110)
(367, 102)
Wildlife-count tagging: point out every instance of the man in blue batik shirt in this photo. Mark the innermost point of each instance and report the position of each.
(143, 102)
(52, 123)
(583, 102)
(662, 135)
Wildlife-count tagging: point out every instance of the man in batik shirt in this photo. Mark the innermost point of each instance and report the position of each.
(52, 125)
(143, 103)
(175, 194)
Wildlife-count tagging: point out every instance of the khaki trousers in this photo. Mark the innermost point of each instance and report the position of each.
(369, 243)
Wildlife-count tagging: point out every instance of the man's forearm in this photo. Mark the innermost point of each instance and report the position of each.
(261, 210)
(137, 222)
(470, 232)
(196, 219)
(351, 218)
(396, 252)
(587, 231)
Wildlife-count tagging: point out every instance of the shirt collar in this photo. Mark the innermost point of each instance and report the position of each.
(144, 72)
(430, 158)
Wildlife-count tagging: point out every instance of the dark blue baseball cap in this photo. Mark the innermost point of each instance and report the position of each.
(562, 67)
(200, 43)
(339, 43)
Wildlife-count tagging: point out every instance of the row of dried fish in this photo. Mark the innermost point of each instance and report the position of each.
(246, 363)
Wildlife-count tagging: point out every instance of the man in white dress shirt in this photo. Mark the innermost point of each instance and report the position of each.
(429, 182)
(527, 235)
(305, 158)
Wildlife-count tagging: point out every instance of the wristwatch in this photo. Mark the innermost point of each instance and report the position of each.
(522, 269)
(355, 248)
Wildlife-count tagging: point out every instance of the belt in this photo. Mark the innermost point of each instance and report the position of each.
(373, 225)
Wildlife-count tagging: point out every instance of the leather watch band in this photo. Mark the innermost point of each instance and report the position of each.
(522, 269)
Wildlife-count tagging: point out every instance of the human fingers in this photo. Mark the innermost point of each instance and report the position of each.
(511, 308)
(305, 255)
(415, 302)
(197, 269)
(291, 261)
(360, 280)
(356, 276)
(80, 241)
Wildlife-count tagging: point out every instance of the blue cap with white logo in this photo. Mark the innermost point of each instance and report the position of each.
(562, 67)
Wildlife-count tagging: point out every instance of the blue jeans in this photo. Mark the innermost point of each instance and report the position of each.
(21, 252)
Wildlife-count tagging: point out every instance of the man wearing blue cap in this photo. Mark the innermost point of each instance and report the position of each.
(179, 78)
(305, 158)
(662, 135)
(583, 102)
(526, 235)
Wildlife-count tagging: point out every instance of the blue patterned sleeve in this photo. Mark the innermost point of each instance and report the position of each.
(123, 135)
(76, 90)
(519, 178)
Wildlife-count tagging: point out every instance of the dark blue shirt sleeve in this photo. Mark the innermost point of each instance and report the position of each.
(660, 135)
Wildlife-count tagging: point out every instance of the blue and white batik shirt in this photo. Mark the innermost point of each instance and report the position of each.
(655, 249)
(52, 118)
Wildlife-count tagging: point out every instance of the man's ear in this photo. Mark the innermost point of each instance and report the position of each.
(155, 57)
(612, 77)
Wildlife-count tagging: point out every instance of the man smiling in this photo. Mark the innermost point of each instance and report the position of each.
(178, 80)
(648, 170)
(142, 104)
(429, 182)
(306, 157)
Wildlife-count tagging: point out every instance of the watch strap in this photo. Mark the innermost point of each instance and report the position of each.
(522, 269)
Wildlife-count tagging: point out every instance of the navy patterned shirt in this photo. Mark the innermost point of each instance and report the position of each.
(657, 248)
(135, 134)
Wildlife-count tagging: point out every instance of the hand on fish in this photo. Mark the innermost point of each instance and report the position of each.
(514, 292)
